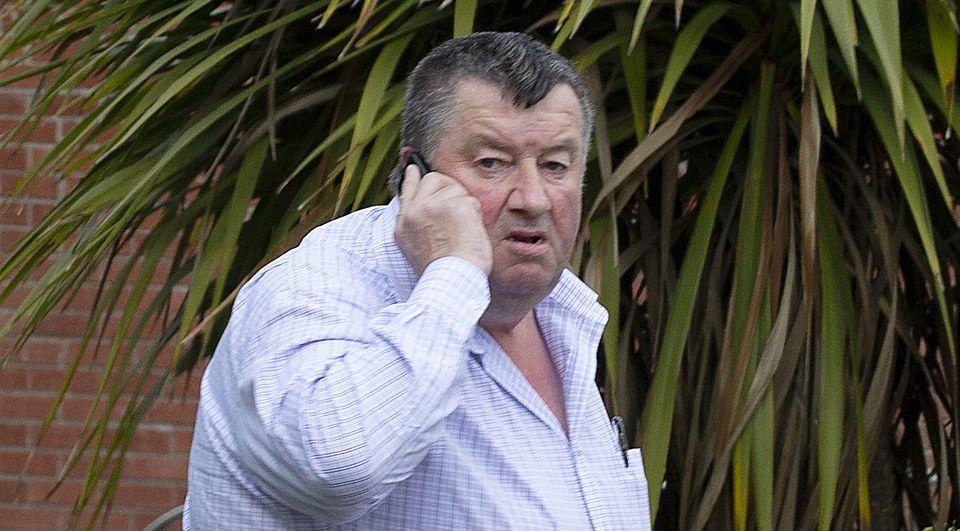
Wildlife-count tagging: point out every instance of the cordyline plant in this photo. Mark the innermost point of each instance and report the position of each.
(769, 216)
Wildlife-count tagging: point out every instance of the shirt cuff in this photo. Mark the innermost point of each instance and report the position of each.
(455, 287)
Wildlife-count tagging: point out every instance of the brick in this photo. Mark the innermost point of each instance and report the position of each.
(153, 477)
(36, 153)
(13, 159)
(60, 435)
(10, 236)
(48, 54)
(142, 519)
(141, 495)
(37, 188)
(24, 406)
(65, 124)
(12, 434)
(71, 181)
(182, 414)
(85, 379)
(42, 490)
(151, 466)
(18, 295)
(68, 107)
(31, 518)
(43, 463)
(155, 440)
(45, 131)
(77, 407)
(182, 440)
(117, 519)
(37, 350)
(85, 297)
(14, 211)
(46, 379)
(11, 490)
(39, 210)
(188, 384)
(27, 82)
(13, 377)
(13, 103)
(63, 324)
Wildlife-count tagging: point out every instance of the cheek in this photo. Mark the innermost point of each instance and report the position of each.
(490, 205)
(566, 215)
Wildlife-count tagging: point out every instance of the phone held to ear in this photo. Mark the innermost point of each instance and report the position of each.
(417, 160)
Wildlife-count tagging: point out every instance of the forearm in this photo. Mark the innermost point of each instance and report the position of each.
(345, 418)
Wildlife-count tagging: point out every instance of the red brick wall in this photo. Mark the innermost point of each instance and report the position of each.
(154, 477)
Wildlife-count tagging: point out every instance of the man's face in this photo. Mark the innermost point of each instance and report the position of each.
(525, 168)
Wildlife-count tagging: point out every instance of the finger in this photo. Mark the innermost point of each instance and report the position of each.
(411, 181)
(436, 184)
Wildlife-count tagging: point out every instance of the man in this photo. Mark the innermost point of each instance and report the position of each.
(429, 364)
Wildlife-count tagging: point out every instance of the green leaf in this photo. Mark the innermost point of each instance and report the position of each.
(203, 67)
(807, 10)
(660, 135)
(821, 74)
(21, 25)
(463, 14)
(809, 164)
(606, 281)
(633, 57)
(383, 147)
(919, 123)
(371, 102)
(638, 21)
(741, 340)
(883, 23)
(908, 175)
(686, 45)
(762, 461)
(833, 336)
(583, 9)
(844, 24)
(213, 262)
(943, 39)
(597, 49)
(658, 409)
(863, 460)
(741, 479)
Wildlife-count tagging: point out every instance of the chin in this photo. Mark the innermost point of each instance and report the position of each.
(524, 283)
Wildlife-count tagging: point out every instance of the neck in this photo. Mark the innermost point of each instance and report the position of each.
(504, 324)
(507, 310)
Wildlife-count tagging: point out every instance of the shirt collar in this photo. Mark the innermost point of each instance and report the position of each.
(574, 295)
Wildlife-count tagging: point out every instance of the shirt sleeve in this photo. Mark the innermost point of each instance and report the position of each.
(339, 394)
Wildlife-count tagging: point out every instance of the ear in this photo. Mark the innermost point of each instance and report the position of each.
(405, 152)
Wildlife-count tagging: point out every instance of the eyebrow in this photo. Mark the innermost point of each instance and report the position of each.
(567, 144)
(487, 141)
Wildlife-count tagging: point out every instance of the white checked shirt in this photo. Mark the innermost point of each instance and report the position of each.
(347, 394)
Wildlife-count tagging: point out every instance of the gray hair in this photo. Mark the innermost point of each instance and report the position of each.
(523, 68)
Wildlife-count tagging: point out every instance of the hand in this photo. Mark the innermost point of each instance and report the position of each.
(438, 218)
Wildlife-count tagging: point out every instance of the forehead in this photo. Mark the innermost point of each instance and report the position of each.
(484, 108)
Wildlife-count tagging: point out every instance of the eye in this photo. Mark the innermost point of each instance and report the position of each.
(489, 163)
(554, 168)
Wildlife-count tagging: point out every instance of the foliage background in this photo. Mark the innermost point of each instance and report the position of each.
(770, 217)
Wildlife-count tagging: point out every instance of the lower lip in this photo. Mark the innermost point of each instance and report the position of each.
(527, 248)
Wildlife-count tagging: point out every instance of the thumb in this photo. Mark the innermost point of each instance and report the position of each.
(411, 181)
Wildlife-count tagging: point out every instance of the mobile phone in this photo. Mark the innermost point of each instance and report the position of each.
(415, 159)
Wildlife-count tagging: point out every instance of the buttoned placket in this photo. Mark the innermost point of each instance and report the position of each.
(506, 374)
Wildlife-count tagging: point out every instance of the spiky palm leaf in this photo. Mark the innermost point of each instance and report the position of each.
(770, 216)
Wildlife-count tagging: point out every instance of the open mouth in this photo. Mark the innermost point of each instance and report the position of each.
(525, 237)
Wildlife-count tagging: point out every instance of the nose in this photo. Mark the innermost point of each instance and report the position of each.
(528, 193)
